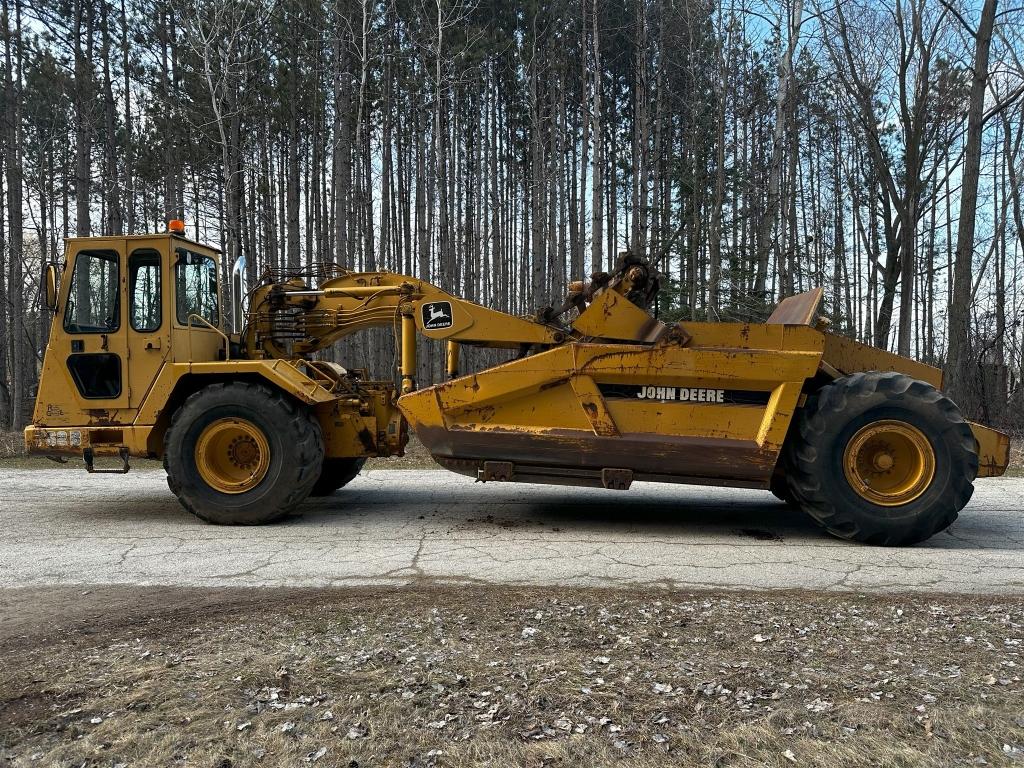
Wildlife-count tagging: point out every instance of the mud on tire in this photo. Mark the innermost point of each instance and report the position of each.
(818, 479)
(295, 453)
(336, 473)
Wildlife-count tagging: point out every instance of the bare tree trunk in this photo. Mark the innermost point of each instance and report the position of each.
(781, 136)
(538, 241)
(293, 189)
(597, 131)
(341, 151)
(14, 177)
(641, 128)
(960, 363)
(114, 224)
(715, 227)
(83, 120)
(362, 139)
(129, 147)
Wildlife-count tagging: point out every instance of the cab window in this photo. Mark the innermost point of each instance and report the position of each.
(146, 305)
(195, 287)
(92, 304)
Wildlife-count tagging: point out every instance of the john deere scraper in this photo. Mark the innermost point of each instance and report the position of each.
(596, 392)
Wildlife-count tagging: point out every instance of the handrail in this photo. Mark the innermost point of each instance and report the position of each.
(212, 327)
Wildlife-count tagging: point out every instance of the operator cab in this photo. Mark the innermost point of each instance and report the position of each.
(123, 307)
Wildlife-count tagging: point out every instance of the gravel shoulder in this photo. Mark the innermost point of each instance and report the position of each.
(499, 676)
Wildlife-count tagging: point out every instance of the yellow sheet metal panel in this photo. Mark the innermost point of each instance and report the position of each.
(694, 365)
(797, 310)
(467, 321)
(612, 316)
(993, 450)
(347, 433)
(151, 348)
(282, 373)
(532, 407)
(849, 356)
(754, 336)
(372, 426)
(778, 414)
(722, 422)
(594, 406)
(665, 409)
(495, 384)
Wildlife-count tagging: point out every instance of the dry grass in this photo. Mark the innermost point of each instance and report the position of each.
(1016, 468)
(416, 457)
(498, 677)
(11, 444)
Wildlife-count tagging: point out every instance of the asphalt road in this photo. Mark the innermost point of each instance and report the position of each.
(63, 526)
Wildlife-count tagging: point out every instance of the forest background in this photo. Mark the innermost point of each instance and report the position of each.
(501, 149)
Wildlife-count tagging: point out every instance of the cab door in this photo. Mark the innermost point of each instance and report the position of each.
(93, 346)
(149, 325)
(197, 336)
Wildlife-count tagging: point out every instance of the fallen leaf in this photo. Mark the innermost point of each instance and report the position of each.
(312, 757)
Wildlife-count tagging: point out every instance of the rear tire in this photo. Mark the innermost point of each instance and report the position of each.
(881, 458)
(242, 454)
(336, 473)
(780, 490)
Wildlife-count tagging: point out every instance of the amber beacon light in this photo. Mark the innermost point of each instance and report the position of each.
(177, 226)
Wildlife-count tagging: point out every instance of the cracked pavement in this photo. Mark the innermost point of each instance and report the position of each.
(396, 527)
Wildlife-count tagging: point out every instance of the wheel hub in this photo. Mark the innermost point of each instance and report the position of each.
(243, 451)
(883, 461)
(232, 455)
(889, 463)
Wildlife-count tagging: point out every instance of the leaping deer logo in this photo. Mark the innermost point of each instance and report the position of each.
(437, 315)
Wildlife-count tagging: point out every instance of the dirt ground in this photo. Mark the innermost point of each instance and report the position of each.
(492, 676)
(1016, 455)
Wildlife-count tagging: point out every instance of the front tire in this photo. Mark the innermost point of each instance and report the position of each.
(242, 454)
(881, 458)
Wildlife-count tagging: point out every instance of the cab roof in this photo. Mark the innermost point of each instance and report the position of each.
(150, 236)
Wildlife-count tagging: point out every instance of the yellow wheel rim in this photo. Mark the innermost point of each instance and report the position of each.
(232, 455)
(889, 463)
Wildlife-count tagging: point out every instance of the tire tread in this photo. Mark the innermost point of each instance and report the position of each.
(305, 441)
(803, 461)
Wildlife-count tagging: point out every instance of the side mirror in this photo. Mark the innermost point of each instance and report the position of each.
(50, 285)
(239, 295)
